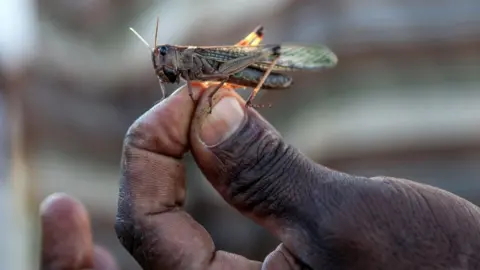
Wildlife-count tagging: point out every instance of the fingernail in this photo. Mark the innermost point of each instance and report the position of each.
(225, 119)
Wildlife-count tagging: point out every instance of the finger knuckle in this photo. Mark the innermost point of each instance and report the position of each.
(129, 234)
(125, 233)
(140, 240)
(138, 134)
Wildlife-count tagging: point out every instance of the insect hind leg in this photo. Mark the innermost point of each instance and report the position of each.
(276, 53)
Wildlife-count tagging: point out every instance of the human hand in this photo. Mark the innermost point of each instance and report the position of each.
(325, 219)
(67, 238)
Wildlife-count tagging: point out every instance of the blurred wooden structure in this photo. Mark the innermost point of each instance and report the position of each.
(19, 248)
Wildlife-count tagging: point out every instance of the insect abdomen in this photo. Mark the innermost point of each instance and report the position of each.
(250, 77)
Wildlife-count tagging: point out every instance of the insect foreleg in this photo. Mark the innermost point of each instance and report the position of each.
(190, 90)
(210, 96)
(162, 88)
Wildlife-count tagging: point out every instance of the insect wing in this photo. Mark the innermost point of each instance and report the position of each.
(226, 53)
(298, 57)
(292, 57)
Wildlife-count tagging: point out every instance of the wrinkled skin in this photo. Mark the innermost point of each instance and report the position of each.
(325, 219)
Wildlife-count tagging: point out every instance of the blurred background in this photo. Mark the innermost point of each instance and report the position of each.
(404, 100)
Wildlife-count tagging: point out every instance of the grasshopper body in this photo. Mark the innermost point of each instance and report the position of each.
(246, 64)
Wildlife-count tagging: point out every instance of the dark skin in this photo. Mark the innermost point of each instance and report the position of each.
(325, 219)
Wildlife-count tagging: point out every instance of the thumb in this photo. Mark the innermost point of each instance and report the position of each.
(250, 165)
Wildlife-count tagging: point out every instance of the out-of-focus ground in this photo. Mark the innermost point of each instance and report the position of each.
(403, 101)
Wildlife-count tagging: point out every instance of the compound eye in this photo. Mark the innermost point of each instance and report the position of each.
(163, 50)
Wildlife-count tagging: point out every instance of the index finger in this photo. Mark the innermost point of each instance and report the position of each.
(151, 223)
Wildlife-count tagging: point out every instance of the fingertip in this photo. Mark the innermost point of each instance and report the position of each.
(62, 211)
(226, 117)
(215, 122)
(213, 126)
(247, 161)
(182, 91)
(61, 203)
(163, 129)
(66, 235)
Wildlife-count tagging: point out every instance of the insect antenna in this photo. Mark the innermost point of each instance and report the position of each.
(156, 33)
(160, 82)
(141, 39)
(162, 87)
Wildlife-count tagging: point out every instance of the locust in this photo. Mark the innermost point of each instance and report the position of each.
(246, 63)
